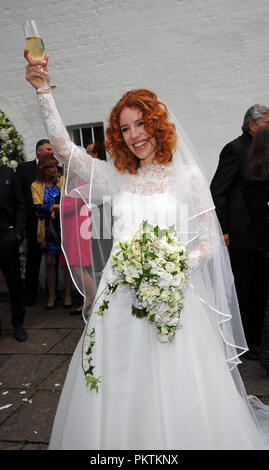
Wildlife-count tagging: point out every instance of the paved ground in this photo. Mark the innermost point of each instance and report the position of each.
(32, 374)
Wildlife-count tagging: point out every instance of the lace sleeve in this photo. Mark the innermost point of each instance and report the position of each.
(75, 158)
(203, 220)
(63, 147)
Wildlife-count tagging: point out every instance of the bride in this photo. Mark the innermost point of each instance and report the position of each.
(149, 392)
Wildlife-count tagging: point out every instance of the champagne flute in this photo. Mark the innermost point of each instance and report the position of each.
(36, 47)
(33, 40)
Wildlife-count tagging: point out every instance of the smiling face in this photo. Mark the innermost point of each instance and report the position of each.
(141, 144)
(45, 149)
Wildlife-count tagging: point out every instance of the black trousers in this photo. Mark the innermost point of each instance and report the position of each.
(33, 261)
(250, 270)
(10, 265)
(265, 330)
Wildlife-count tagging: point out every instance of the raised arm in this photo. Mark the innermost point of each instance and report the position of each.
(75, 158)
(65, 150)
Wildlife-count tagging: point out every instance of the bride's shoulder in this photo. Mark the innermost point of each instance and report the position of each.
(193, 173)
(106, 174)
(195, 179)
(105, 165)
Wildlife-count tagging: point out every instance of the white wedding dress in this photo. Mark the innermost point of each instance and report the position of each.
(152, 395)
(179, 395)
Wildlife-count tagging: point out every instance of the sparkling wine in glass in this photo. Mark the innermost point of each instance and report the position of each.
(33, 40)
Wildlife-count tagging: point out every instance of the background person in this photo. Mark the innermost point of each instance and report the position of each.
(96, 150)
(249, 266)
(77, 245)
(26, 174)
(12, 223)
(46, 191)
(256, 195)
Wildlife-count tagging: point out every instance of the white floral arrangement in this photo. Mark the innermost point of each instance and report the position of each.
(11, 154)
(154, 263)
(11, 143)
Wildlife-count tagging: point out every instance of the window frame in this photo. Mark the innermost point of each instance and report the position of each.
(91, 126)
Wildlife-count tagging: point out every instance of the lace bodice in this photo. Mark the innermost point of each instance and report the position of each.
(130, 209)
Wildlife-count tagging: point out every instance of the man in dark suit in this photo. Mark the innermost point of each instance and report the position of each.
(12, 221)
(249, 267)
(26, 174)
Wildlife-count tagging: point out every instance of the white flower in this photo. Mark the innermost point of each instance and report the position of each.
(170, 267)
(11, 143)
(166, 280)
(152, 263)
(4, 134)
(165, 295)
(173, 321)
(166, 336)
(13, 164)
(176, 281)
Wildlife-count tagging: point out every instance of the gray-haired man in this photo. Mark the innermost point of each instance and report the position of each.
(249, 267)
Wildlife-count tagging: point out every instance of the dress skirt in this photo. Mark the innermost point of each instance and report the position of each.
(152, 395)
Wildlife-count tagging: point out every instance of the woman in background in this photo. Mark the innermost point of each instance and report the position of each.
(77, 246)
(46, 190)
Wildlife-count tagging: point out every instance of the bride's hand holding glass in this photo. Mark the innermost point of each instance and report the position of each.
(37, 70)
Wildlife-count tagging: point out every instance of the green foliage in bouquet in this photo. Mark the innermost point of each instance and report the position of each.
(154, 263)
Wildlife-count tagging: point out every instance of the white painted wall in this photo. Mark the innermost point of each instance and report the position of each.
(208, 59)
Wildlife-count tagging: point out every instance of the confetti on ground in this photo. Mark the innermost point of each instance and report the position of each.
(6, 406)
(27, 400)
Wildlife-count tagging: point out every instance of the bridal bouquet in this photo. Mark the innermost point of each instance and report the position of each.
(153, 262)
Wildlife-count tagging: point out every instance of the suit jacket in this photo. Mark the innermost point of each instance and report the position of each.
(11, 204)
(256, 194)
(26, 174)
(226, 189)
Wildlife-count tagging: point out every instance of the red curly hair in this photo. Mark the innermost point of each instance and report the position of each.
(155, 117)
